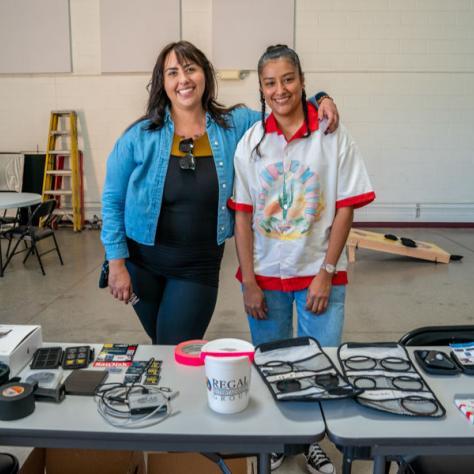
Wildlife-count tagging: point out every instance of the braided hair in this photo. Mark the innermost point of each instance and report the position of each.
(279, 51)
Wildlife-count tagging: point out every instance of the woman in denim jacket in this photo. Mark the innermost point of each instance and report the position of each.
(164, 203)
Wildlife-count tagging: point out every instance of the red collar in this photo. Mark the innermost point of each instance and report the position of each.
(271, 125)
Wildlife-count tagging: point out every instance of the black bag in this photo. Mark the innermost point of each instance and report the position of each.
(299, 369)
(104, 275)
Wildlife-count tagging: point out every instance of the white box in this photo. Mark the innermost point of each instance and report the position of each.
(18, 343)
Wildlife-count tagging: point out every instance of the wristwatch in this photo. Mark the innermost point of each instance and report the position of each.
(331, 269)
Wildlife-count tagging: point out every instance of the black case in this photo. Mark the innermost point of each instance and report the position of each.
(46, 358)
(85, 382)
(424, 359)
(77, 357)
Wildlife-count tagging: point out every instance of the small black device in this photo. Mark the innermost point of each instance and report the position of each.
(49, 386)
(85, 382)
(78, 357)
(436, 362)
(104, 275)
(47, 358)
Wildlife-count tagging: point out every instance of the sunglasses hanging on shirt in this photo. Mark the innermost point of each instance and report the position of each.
(187, 162)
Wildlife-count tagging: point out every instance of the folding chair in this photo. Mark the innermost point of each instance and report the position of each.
(34, 234)
(438, 336)
(7, 220)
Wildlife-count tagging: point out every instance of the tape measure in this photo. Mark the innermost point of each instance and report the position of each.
(17, 400)
(189, 352)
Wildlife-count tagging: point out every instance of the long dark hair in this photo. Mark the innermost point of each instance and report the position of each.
(280, 51)
(158, 100)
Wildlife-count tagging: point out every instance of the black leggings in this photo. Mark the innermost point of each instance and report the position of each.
(171, 310)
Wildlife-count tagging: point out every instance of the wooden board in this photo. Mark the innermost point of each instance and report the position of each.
(364, 239)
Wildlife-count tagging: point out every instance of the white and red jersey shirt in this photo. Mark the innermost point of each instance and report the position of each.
(293, 191)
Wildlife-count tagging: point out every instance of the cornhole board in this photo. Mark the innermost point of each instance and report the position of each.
(363, 239)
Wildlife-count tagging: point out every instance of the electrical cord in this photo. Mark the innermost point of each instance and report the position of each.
(114, 406)
(113, 403)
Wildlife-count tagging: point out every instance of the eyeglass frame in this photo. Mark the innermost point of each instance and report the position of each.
(380, 364)
(268, 369)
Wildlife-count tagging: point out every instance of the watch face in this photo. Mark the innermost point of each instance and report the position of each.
(329, 268)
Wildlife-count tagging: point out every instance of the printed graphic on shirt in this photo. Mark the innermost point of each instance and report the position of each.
(289, 202)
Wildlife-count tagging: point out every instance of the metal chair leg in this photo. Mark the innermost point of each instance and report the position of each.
(8, 248)
(30, 251)
(33, 246)
(10, 255)
(57, 249)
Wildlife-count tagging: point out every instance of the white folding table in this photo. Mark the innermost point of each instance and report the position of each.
(352, 426)
(264, 427)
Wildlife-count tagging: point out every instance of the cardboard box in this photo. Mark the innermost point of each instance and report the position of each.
(80, 461)
(18, 343)
(186, 463)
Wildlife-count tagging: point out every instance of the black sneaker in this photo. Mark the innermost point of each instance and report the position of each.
(317, 462)
(276, 460)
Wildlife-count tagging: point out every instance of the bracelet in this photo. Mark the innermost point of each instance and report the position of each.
(326, 96)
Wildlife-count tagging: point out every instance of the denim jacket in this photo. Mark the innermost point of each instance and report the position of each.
(136, 173)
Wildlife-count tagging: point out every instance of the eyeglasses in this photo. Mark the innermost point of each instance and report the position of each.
(187, 162)
(390, 364)
(400, 382)
(277, 370)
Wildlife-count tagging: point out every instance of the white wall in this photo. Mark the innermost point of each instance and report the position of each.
(401, 72)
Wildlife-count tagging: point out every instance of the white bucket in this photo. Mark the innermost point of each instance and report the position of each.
(228, 383)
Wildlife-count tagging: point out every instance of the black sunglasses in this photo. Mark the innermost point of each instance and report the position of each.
(187, 162)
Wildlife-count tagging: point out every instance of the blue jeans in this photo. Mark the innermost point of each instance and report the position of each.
(171, 310)
(325, 327)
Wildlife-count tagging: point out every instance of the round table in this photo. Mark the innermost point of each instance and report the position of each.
(15, 200)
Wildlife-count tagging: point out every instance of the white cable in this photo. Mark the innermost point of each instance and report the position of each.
(123, 418)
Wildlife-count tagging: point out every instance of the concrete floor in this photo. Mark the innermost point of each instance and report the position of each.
(387, 296)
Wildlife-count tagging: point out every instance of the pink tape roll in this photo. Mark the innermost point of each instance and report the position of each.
(189, 352)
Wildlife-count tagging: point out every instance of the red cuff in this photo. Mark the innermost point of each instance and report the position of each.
(239, 207)
(356, 201)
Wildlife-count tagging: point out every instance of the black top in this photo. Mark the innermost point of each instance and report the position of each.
(185, 244)
(189, 207)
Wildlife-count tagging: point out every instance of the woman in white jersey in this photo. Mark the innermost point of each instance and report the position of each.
(295, 191)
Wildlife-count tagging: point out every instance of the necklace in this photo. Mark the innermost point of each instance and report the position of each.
(193, 137)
